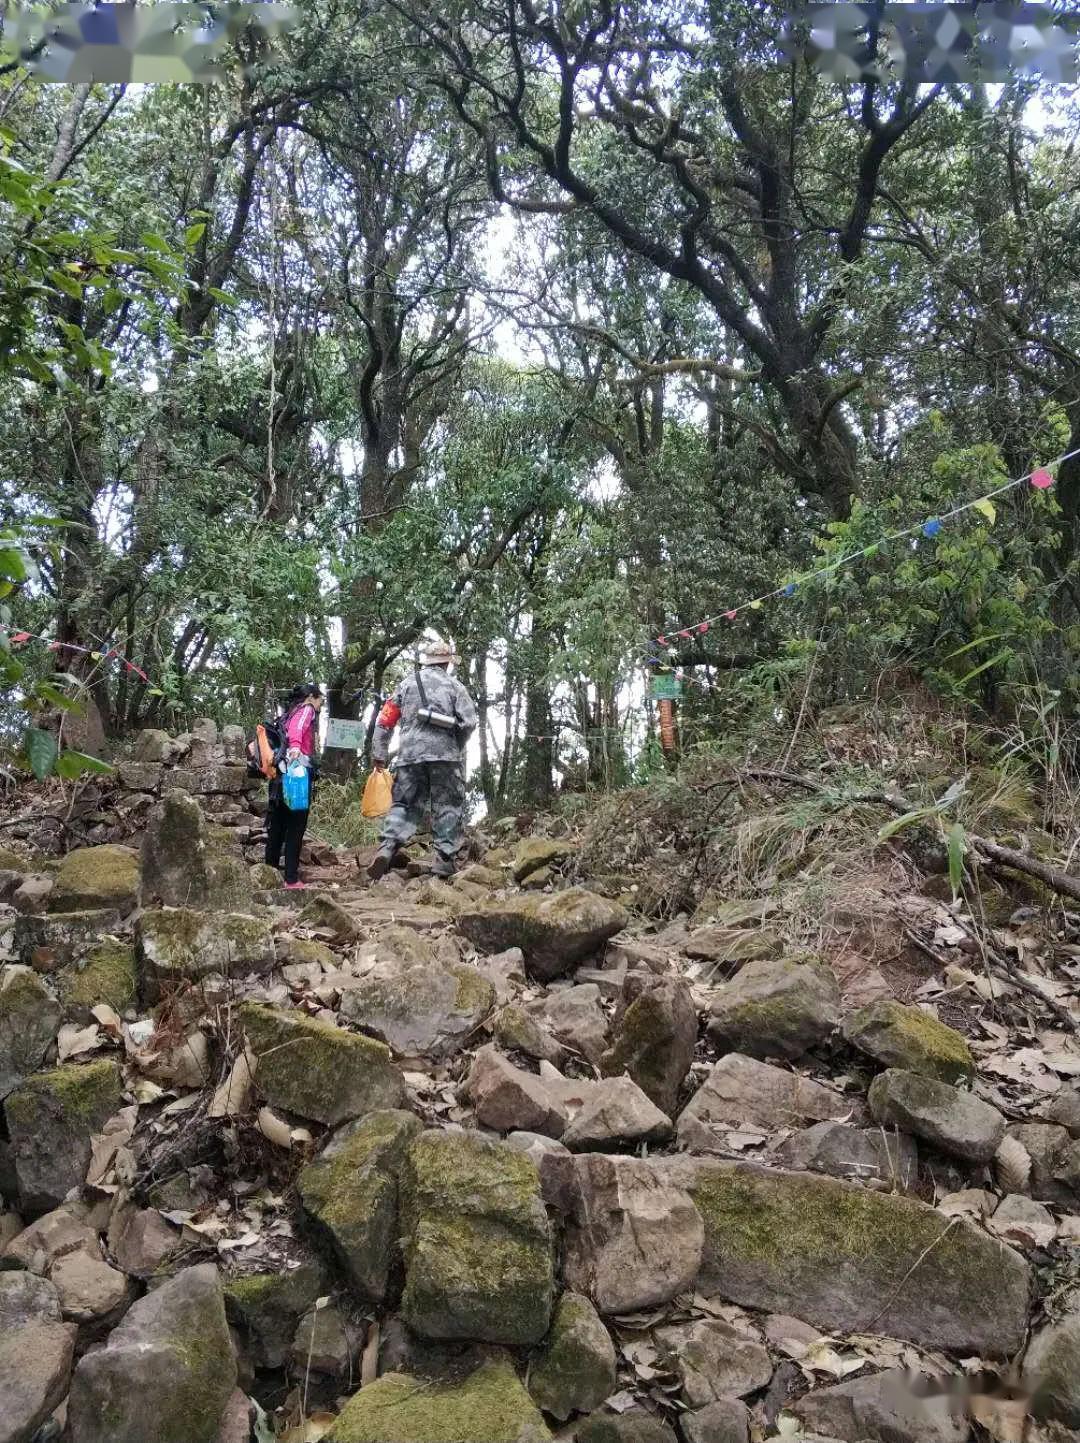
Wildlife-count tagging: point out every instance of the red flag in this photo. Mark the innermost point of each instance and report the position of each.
(1041, 479)
(731, 615)
(703, 628)
(18, 637)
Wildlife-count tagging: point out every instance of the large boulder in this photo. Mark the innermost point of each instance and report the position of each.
(423, 1009)
(51, 1118)
(478, 1244)
(269, 1306)
(654, 1037)
(847, 1258)
(36, 1354)
(741, 1092)
(908, 1037)
(574, 1371)
(633, 1240)
(778, 1008)
(29, 1022)
(487, 1406)
(881, 1408)
(317, 1070)
(350, 1195)
(554, 931)
(178, 944)
(167, 1373)
(153, 745)
(1052, 1373)
(214, 778)
(93, 877)
(181, 868)
(955, 1121)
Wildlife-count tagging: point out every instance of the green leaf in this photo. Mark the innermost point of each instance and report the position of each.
(73, 764)
(957, 847)
(993, 661)
(154, 242)
(47, 692)
(41, 752)
(993, 636)
(194, 233)
(222, 296)
(890, 829)
(13, 564)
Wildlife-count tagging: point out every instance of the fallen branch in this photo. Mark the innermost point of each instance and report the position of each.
(1063, 883)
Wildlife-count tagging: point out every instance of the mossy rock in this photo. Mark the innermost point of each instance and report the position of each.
(51, 1118)
(575, 1370)
(293, 951)
(11, 861)
(488, 1406)
(909, 1038)
(324, 913)
(776, 1008)
(637, 1425)
(54, 940)
(422, 1008)
(654, 1039)
(269, 1306)
(849, 1259)
(350, 1196)
(491, 878)
(181, 867)
(405, 943)
(108, 974)
(534, 853)
(554, 931)
(166, 1374)
(177, 945)
(478, 1245)
(29, 1022)
(92, 877)
(1052, 1373)
(316, 1070)
(266, 878)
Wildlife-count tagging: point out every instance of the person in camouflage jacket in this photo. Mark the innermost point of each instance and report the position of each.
(430, 772)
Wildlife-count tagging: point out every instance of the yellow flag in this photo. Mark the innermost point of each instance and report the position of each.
(755, 606)
(985, 507)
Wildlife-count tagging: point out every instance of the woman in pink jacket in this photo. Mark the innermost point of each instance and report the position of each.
(285, 828)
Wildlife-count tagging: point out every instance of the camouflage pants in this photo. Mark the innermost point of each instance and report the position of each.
(435, 787)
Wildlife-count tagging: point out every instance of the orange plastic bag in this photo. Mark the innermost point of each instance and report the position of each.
(378, 794)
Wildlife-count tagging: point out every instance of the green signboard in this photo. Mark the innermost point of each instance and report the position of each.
(665, 687)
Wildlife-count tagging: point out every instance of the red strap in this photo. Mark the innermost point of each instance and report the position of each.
(390, 714)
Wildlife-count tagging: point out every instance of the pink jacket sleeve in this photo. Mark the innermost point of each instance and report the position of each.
(300, 731)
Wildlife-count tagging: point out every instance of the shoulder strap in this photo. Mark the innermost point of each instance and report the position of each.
(420, 687)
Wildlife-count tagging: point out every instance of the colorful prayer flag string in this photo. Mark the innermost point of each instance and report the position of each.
(1041, 479)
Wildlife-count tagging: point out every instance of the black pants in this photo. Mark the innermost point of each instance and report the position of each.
(284, 828)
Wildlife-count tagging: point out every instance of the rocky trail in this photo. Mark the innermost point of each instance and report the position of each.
(506, 1159)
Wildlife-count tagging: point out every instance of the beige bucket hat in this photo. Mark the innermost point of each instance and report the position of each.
(438, 653)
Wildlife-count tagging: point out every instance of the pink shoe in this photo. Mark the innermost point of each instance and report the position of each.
(296, 886)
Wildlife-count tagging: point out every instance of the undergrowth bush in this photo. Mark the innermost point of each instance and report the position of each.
(336, 817)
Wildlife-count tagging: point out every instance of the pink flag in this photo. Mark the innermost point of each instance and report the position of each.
(731, 615)
(1041, 479)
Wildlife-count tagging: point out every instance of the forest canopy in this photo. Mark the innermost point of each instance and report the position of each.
(551, 329)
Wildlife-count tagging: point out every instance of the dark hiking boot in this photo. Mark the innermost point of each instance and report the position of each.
(380, 864)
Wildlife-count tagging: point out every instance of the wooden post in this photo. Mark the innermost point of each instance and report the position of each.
(669, 739)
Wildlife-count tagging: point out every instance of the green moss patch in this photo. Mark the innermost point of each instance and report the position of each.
(489, 1406)
(909, 1038)
(107, 975)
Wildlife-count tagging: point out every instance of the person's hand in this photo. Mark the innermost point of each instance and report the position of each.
(379, 766)
(292, 754)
